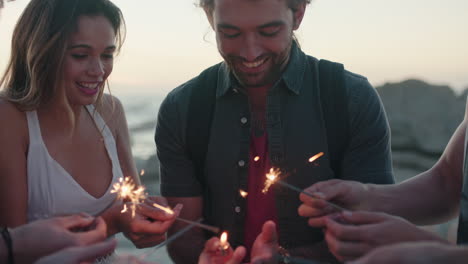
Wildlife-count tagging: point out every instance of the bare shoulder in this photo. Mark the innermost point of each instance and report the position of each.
(111, 110)
(13, 122)
(466, 109)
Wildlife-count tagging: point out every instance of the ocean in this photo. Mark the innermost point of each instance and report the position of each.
(141, 112)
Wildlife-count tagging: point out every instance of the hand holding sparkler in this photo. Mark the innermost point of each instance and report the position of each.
(144, 226)
(349, 194)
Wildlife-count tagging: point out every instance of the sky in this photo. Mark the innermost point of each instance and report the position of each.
(170, 41)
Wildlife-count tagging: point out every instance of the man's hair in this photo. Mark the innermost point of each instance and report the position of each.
(208, 5)
(39, 43)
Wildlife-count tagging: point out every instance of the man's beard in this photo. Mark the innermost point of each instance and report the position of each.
(269, 76)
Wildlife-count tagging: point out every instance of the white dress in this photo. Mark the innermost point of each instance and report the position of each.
(52, 191)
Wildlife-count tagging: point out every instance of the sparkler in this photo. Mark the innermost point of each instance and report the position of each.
(273, 177)
(171, 212)
(170, 239)
(126, 189)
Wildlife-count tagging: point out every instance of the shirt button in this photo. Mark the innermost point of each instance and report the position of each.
(237, 209)
(241, 163)
(244, 120)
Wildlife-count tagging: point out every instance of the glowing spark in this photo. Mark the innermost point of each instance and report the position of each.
(257, 158)
(223, 241)
(271, 179)
(127, 190)
(165, 209)
(243, 193)
(142, 172)
(124, 209)
(316, 156)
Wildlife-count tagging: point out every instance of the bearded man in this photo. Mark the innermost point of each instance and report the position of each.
(266, 105)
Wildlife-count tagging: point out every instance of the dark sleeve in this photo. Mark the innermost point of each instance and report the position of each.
(177, 173)
(368, 157)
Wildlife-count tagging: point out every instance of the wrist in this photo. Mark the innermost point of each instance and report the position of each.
(113, 219)
(456, 254)
(371, 193)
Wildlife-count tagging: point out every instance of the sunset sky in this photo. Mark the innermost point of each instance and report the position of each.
(170, 41)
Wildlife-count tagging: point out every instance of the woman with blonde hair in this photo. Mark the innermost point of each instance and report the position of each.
(63, 141)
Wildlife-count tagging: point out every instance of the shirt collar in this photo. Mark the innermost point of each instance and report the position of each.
(293, 76)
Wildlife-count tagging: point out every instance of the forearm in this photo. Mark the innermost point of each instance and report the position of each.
(318, 252)
(187, 248)
(456, 255)
(423, 200)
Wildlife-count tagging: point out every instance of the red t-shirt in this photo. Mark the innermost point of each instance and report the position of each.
(261, 206)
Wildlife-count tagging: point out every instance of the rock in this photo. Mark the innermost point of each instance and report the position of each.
(422, 117)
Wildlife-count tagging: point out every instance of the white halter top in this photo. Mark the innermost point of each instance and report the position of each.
(52, 191)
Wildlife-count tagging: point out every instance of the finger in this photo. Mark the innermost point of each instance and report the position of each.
(318, 221)
(90, 253)
(319, 186)
(75, 221)
(346, 250)
(237, 256)
(318, 209)
(333, 190)
(177, 209)
(212, 245)
(346, 232)
(154, 213)
(159, 200)
(144, 226)
(98, 233)
(269, 234)
(363, 217)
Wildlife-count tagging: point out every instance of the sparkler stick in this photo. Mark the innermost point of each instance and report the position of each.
(169, 211)
(292, 187)
(273, 177)
(172, 238)
(207, 227)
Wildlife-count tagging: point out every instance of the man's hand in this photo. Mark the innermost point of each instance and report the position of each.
(348, 194)
(44, 237)
(265, 247)
(149, 226)
(352, 235)
(412, 253)
(212, 254)
(77, 255)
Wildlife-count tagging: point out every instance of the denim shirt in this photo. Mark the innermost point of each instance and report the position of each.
(295, 129)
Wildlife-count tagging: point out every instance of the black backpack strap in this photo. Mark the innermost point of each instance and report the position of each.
(334, 99)
(200, 115)
(333, 96)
